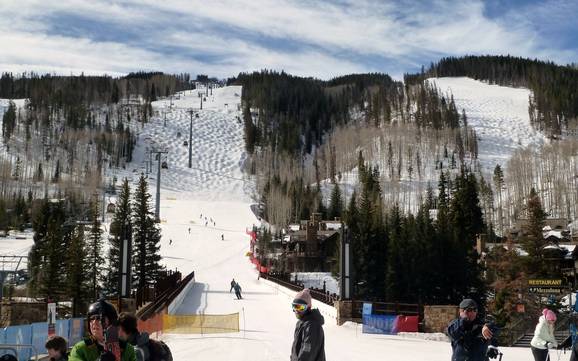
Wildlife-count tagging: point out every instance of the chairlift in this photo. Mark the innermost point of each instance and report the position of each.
(164, 165)
(185, 143)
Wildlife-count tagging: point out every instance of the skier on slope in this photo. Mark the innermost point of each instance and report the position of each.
(101, 315)
(233, 283)
(470, 336)
(308, 338)
(238, 290)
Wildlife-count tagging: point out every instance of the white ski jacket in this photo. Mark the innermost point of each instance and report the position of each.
(543, 334)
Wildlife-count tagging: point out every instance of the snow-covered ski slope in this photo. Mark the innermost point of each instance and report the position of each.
(498, 114)
(221, 195)
(216, 188)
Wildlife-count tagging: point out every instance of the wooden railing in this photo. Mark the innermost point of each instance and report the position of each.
(164, 299)
(317, 294)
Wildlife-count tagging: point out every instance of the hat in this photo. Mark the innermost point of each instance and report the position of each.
(303, 297)
(549, 315)
(468, 303)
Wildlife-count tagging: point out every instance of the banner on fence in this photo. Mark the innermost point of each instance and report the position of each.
(201, 324)
(380, 324)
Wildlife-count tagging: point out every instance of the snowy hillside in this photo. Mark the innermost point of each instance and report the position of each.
(498, 114)
(216, 189)
(266, 319)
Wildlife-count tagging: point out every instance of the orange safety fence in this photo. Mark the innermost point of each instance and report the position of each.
(201, 324)
(153, 324)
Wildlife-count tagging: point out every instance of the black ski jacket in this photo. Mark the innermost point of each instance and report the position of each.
(309, 340)
(467, 341)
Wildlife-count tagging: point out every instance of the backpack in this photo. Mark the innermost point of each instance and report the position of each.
(159, 351)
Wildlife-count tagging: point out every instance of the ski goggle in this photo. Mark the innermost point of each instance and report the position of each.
(299, 307)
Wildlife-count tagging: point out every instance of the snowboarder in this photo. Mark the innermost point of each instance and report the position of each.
(309, 339)
(238, 290)
(56, 348)
(470, 337)
(170, 242)
(544, 339)
(102, 316)
(222, 237)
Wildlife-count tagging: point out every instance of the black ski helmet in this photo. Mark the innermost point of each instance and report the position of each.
(104, 308)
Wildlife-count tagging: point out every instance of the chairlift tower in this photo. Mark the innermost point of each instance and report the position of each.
(158, 195)
(191, 112)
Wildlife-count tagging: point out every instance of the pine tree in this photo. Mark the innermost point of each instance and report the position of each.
(146, 236)
(467, 223)
(9, 121)
(395, 274)
(94, 258)
(76, 271)
(534, 241)
(120, 229)
(46, 262)
(336, 204)
(56, 177)
(250, 130)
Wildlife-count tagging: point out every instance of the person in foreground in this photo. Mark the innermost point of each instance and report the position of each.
(543, 339)
(470, 336)
(146, 349)
(56, 348)
(308, 340)
(101, 315)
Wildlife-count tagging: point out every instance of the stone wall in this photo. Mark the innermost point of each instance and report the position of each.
(437, 318)
(345, 312)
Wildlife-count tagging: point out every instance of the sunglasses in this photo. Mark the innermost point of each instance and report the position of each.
(299, 307)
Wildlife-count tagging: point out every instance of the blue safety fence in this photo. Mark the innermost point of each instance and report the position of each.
(36, 334)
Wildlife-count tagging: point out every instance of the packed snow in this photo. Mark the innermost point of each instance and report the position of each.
(216, 189)
(499, 115)
(190, 195)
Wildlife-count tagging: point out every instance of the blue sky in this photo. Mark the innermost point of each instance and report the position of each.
(309, 38)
